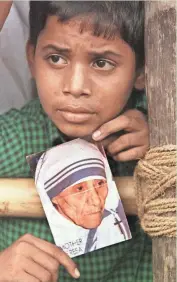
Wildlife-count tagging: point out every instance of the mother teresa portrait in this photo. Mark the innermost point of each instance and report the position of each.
(80, 198)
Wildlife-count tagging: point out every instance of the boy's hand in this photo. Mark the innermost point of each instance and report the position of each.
(131, 145)
(31, 259)
(4, 11)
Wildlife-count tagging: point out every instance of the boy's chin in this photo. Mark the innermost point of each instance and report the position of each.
(77, 131)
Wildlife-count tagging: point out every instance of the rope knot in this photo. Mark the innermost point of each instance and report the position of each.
(155, 178)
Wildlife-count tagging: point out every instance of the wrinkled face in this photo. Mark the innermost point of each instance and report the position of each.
(83, 203)
(83, 81)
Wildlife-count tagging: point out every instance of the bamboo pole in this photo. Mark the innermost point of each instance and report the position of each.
(19, 197)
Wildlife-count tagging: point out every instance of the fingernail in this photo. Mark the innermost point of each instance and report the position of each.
(96, 134)
(77, 273)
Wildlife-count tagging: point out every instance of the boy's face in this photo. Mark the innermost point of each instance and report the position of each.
(82, 80)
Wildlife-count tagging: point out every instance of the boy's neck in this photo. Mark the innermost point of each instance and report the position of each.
(66, 138)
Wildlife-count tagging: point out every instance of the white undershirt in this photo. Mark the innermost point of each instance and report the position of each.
(15, 78)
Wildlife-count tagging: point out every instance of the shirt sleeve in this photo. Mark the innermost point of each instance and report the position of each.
(11, 148)
(22, 133)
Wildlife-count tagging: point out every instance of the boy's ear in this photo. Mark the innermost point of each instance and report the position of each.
(30, 51)
(140, 80)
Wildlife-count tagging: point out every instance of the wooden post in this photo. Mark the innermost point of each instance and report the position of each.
(160, 44)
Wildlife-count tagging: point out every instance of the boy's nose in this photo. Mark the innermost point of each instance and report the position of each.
(76, 81)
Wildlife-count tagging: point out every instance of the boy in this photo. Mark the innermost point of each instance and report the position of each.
(86, 57)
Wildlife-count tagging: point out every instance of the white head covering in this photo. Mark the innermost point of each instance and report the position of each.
(68, 164)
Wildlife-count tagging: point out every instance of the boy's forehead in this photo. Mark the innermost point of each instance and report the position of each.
(71, 30)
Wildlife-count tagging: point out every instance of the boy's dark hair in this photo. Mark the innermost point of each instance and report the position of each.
(107, 18)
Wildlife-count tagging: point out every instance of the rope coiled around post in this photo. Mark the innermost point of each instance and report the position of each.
(155, 178)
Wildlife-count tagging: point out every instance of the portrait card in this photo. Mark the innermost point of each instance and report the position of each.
(79, 197)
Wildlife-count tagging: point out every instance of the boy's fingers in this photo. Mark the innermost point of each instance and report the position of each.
(37, 271)
(55, 252)
(26, 277)
(4, 11)
(107, 141)
(67, 262)
(41, 259)
(46, 261)
(131, 154)
(120, 123)
(127, 141)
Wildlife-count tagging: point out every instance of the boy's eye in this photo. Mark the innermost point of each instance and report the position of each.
(103, 64)
(57, 60)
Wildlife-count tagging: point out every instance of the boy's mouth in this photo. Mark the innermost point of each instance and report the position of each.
(75, 114)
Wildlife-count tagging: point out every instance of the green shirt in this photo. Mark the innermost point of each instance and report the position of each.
(28, 131)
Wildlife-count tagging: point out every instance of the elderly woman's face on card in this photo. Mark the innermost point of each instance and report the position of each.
(83, 203)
